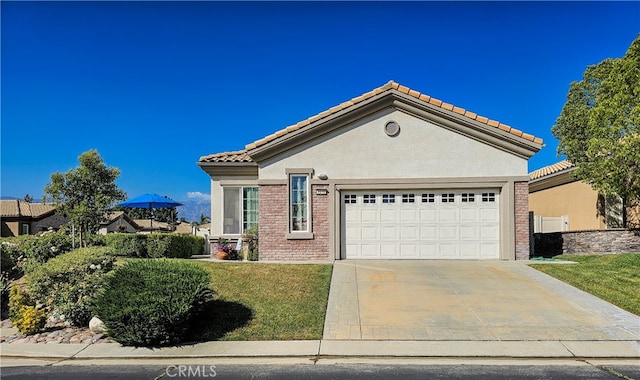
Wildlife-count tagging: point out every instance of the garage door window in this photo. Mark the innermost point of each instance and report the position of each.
(468, 197)
(369, 198)
(408, 198)
(428, 198)
(448, 198)
(388, 198)
(350, 199)
(488, 197)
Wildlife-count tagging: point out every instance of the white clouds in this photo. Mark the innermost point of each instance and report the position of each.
(198, 195)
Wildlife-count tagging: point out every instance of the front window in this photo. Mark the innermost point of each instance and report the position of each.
(25, 229)
(299, 203)
(240, 209)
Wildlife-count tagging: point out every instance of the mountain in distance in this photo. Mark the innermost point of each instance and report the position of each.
(191, 209)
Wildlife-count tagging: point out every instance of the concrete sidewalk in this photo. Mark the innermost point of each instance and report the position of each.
(333, 348)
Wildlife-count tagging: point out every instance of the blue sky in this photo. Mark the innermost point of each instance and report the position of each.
(155, 85)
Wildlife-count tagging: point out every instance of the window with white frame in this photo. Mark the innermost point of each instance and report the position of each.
(388, 198)
(299, 203)
(488, 197)
(240, 209)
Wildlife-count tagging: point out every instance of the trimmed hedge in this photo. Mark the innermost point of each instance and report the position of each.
(67, 283)
(155, 245)
(130, 245)
(153, 302)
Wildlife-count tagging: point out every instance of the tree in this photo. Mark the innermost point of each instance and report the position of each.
(85, 193)
(204, 219)
(599, 127)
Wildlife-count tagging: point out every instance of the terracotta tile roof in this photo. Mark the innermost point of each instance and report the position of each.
(236, 156)
(551, 169)
(17, 208)
(391, 85)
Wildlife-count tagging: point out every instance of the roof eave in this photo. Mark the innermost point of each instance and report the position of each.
(216, 169)
(552, 180)
(393, 98)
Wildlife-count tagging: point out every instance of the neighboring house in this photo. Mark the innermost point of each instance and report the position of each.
(26, 218)
(145, 226)
(390, 174)
(118, 221)
(562, 202)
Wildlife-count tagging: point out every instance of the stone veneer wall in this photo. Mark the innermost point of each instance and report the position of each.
(274, 225)
(588, 242)
(521, 204)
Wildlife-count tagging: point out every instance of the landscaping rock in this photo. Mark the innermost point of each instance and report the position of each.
(96, 325)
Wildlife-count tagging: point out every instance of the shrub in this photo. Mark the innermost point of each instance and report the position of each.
(152, 302)
(67, 283)
(17, 299)
(251, 237)
(155, 245)
(131, 245)
(31, 320)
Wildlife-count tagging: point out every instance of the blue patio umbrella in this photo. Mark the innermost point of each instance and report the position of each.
(149, 201)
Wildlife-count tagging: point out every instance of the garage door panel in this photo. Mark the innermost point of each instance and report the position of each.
(448, 232)
(408, 216)
(488, 215)
(468, 214)
(370, 250)
(449, 215)
(448, 251)
(428, 233)
(468, 251)
(369, 216)
(429, 224)
(409, 232)
(429, 251)
(370, 233)
(469, 233)
(389, 250)
(389, 216)
(389, 233)
(428, 216)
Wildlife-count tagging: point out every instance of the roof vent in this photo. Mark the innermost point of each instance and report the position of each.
(392, 129)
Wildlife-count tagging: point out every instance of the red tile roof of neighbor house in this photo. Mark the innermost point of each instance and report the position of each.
(236, 156)
(18, 208)
(551, 169)
(241, 156)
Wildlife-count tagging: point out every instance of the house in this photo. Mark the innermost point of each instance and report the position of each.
(26, 218)
(562, 202)
(118, 221)
(390, 174)
(145, 226)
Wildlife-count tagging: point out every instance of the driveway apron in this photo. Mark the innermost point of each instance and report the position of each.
(465, 300)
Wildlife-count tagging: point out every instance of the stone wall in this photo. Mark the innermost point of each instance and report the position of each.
(587, 242)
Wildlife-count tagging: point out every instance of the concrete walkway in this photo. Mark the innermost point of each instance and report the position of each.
(466, 301)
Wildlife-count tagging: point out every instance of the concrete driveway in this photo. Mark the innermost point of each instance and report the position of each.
(467, 301)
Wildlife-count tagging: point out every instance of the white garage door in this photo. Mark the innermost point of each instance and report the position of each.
(430, 224)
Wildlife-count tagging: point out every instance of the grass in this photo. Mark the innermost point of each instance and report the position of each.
(257, 301)
(614, 278)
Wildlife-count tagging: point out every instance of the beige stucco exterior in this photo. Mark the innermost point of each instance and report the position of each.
(576, 199)
(363, 150)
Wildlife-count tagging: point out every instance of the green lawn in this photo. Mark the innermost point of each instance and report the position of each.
(256, 301)
(614, 278)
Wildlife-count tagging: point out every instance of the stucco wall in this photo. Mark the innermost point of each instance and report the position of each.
(421, 150)
(576, 199)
